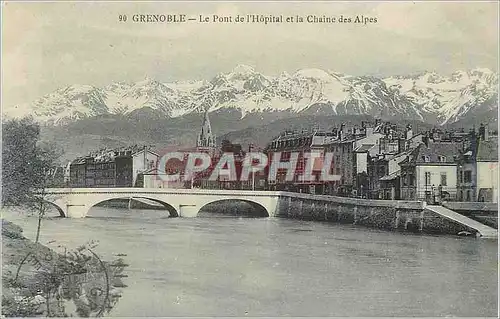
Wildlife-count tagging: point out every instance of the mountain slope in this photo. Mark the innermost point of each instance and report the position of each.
(427, 97)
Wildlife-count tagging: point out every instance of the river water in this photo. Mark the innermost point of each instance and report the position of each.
(277, 267)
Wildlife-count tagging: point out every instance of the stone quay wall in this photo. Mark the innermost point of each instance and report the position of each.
(382, 214)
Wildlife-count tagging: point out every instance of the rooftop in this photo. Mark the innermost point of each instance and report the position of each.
(105, 155)
(435, 152)
(363, 148)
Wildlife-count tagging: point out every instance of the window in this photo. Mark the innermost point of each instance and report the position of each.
(461, 176)
(442, 159)
(427, 178)
(443, 179)
(467, 176)
(382, 170)
(412, 180)
(426, 159)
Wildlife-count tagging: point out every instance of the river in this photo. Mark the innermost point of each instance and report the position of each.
(277, 267)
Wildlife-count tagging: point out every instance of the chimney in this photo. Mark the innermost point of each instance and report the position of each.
(409, 132)
(483, 132)
(341, 131)
(472, 133)
(425, 139)
(369, 131)
(401, 145)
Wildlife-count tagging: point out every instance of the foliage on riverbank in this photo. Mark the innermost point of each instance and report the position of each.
(26, 161)
(38, 281)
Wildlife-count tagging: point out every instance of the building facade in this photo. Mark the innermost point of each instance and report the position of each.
(281, 149)
(478, 168)
(112, 168)
(429, 172)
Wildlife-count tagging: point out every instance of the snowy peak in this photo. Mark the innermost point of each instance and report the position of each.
(242, 70)
(427, 96)
(449, 97)
(70, 103)
(316, 74)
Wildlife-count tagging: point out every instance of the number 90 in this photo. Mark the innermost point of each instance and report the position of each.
(122, 18)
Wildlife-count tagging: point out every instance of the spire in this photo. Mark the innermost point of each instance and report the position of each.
(206, 128)
(206, 139)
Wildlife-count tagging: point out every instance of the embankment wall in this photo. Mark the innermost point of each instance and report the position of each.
(383, 214)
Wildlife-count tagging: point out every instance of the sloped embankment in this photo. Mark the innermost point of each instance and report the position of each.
(38, 281)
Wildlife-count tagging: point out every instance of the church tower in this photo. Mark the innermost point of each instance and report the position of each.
(206, 139)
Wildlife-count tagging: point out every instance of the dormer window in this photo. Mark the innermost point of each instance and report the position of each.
(426, 159)
(442, 159)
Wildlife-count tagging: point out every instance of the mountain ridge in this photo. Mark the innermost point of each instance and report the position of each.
(426, 96)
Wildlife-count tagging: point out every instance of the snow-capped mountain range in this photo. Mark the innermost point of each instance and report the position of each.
(427, 96)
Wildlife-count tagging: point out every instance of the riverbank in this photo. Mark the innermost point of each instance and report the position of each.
(38, 281)
(393, 215)
(272, 267)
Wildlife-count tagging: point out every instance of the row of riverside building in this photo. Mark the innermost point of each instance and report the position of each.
(379, 162)
(374, 160)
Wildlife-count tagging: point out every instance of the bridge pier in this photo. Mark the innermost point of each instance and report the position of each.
(76, 211)
(396, 220)
(421, 227)
(188, 210)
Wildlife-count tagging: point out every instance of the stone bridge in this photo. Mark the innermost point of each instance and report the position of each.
(384, 214)
(76, 202)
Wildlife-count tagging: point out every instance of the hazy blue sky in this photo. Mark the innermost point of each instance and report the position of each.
(51, 45)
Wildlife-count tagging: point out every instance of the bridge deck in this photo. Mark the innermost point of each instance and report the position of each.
(484, 230)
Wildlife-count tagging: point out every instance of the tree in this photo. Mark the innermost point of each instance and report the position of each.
(26, 164)
(25, 161)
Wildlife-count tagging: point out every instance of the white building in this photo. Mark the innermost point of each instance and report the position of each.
(143, 161)
(430, 172)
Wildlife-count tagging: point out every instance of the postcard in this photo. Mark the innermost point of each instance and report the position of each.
(249, 159)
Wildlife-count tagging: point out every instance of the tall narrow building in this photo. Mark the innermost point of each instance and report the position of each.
(206, 139)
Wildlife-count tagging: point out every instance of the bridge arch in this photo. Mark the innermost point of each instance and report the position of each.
(61, 211)
(169, 208)
(240, 207)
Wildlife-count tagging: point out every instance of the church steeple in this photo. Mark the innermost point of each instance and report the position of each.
(206, 139)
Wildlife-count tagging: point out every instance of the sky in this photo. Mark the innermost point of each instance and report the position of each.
(46, 46)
